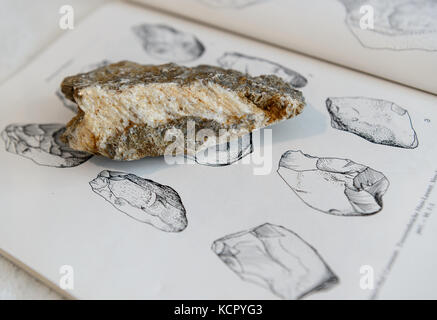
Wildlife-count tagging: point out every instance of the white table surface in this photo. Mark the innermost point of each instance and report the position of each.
(26, 28)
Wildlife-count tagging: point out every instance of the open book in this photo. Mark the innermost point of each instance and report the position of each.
(337, 203)
(393, 39)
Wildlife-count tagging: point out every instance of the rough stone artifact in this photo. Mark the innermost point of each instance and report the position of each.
(277, 259)
(128, 111)
(72, 106)
(375, 120)
(333, 185)
(42, 144)
(142, 199)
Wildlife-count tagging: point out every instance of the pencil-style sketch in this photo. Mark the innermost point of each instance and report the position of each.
(70, 104)
(142, 199)
(258, 66)
(41, 143)
(397, 25)
(277, 259)
(376, 120)
(226, 153)
(333, 185)
(237, 4)
(169, 44)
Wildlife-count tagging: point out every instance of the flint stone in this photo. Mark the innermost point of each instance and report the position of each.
(126, 109)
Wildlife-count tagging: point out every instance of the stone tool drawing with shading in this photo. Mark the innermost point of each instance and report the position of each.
(142, 199)
(42, 144)
(376, 120)
(226, 153)
(277, 259)
(255, 66)
(335, 186)
(169, 44)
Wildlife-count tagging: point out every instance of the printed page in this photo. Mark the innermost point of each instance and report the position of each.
(396, 40)
(336, 203)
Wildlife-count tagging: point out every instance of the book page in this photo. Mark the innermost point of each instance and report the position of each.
(336, 203)
(396, 40)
